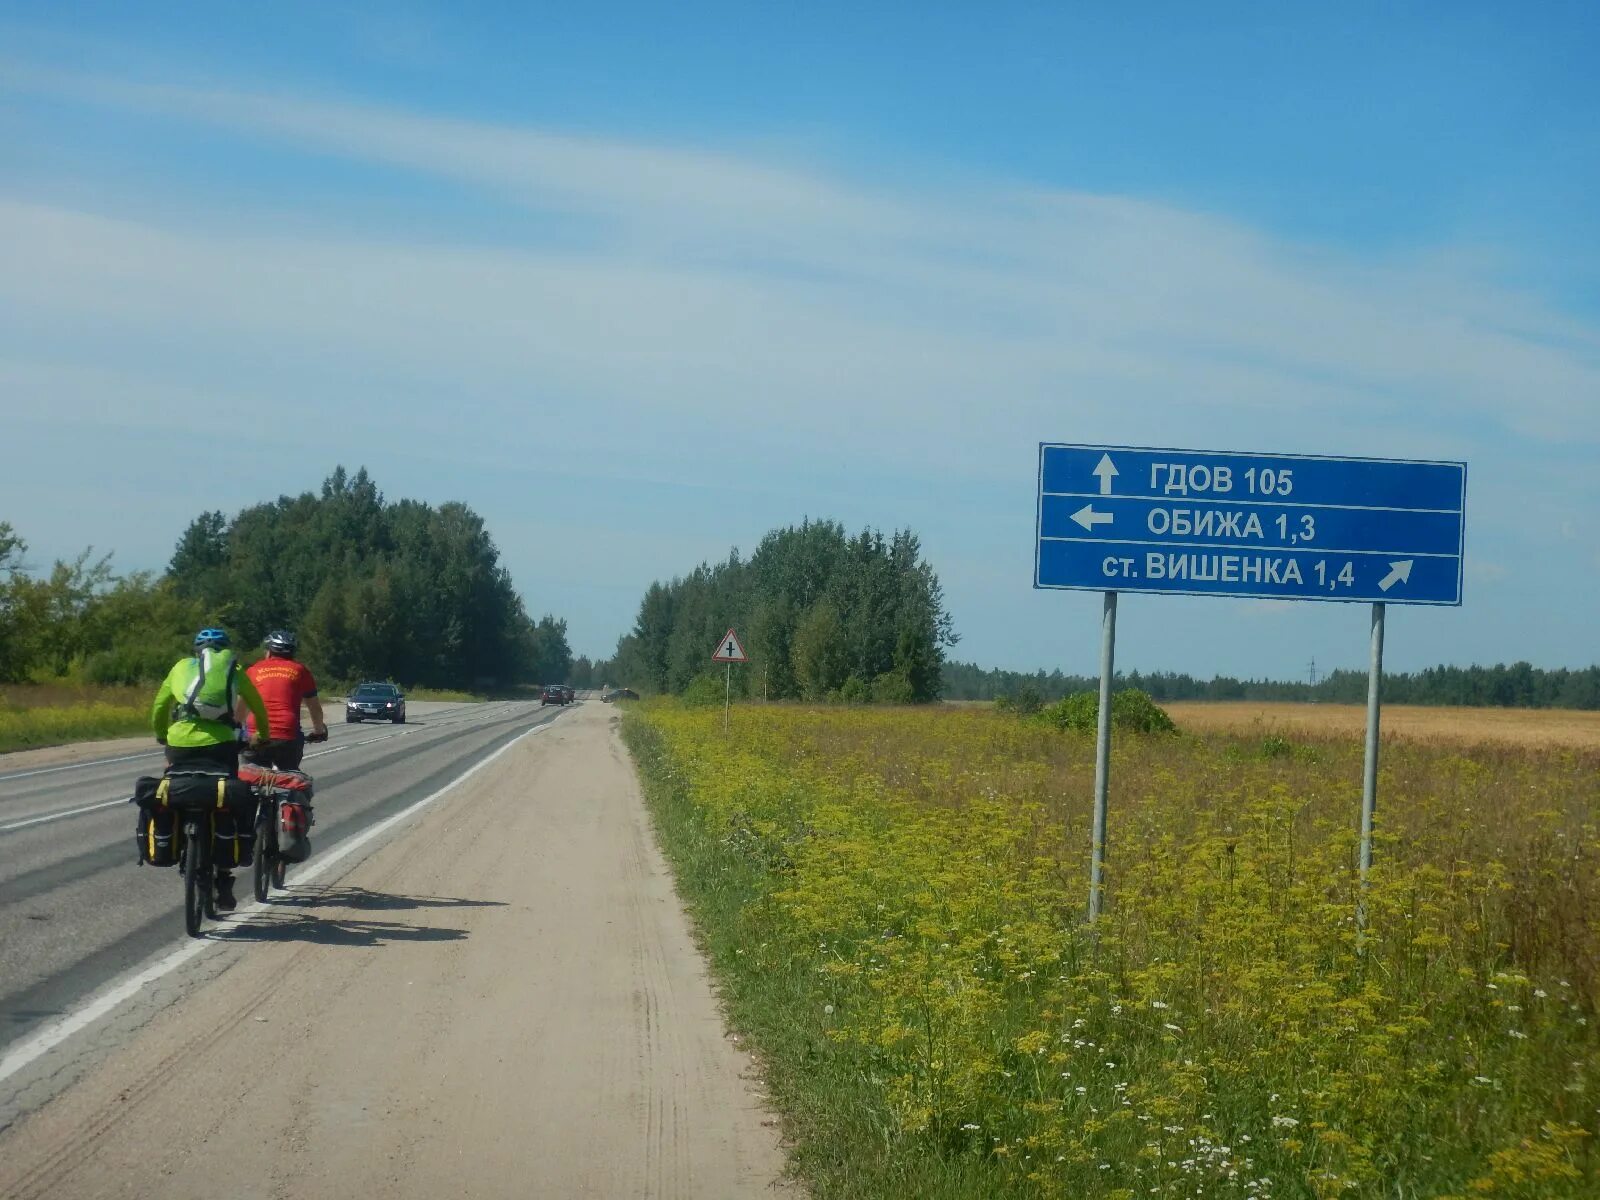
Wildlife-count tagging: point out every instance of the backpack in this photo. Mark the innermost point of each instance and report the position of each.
(210, 694)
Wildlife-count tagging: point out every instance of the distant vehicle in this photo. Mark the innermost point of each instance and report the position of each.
(620, 694)
(572, 693)
(553, 693)
(375, 702)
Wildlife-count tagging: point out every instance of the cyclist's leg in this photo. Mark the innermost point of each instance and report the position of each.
(287, 755)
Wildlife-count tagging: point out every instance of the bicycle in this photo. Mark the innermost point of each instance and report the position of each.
(195, 819)
(273, 789)
(199, 881)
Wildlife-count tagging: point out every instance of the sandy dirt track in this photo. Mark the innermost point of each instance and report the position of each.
(503, 1002)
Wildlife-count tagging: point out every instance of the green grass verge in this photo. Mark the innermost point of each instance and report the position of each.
(444, 695)
(842, 1144)
(31, 728)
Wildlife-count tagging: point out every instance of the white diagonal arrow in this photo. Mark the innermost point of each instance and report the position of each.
(1399, 572)
(1105, 470)
(1088, 518)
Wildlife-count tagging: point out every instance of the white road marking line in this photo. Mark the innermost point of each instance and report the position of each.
(61, 816)
(74, 812)
(52, 1035)
(78, 766)
(101, 762)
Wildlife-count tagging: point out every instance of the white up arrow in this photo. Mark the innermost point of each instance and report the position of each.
(1399, 572)
(1088, 518)
(1105, 470)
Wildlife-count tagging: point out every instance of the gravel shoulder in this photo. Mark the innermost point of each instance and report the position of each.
(504, 1001)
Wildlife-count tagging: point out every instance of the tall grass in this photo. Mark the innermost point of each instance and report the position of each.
(892, 901)
(33, 715)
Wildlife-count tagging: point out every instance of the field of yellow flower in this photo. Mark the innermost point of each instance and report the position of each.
(892, 902)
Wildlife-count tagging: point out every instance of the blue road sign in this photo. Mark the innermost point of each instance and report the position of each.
(1276, 526)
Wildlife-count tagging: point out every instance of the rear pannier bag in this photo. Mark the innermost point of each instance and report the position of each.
(157, 835)
(159, 831)
(286, 780)
(294, 824)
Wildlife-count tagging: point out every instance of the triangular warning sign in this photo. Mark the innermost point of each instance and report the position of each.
(729, 649)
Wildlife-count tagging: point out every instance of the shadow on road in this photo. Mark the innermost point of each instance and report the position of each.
(361, 899)
(330, 931)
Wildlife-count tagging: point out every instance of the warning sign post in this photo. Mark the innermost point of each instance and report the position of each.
(730, 651)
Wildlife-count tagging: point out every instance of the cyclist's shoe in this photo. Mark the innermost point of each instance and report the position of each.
(225, 900)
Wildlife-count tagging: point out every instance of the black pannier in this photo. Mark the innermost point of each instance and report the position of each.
(159, 831)
(157, 836)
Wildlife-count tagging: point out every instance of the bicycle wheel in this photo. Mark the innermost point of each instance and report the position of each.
(263, 869)
(194, 870)
(208, 886)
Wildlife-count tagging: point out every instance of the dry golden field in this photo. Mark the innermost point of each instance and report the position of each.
(1513, 726)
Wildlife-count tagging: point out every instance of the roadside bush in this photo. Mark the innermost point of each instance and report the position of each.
(854, 690)
(128, 663)
(1275, 745)
(1025, 701)
(706, 690)
(893, 687)
(1132, 711)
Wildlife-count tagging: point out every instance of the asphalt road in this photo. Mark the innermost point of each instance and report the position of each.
(492, 992)
(76, 909)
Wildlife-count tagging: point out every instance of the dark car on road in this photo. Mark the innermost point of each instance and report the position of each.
(553, 693)
(620, 694)
(375, 702)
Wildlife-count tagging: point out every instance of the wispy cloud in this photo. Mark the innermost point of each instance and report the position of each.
(820, 288)
(784, 318)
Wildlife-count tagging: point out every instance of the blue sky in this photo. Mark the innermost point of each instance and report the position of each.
(640, 284)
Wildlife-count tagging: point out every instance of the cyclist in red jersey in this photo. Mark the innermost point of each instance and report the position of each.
(284, 684)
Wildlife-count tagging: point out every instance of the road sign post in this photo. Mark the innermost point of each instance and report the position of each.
(1369, 767)
(1270, 526)
(729, 651)
(1102, 751)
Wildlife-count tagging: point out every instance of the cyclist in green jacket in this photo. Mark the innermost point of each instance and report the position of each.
(193, 717)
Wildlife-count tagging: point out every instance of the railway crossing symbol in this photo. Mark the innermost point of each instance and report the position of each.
(1222, 523)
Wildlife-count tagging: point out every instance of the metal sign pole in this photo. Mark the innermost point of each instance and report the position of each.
(1369, 783)
(727, 697)
(1102, 752)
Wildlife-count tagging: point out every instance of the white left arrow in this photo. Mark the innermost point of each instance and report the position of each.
(1088, 518)
(1399, 572)
(1105, 470)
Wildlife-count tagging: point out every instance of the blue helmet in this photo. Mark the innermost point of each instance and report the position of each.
(214, 639)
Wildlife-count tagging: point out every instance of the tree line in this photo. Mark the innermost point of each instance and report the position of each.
(822, 615)
(1517, 685)
(392, 590)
